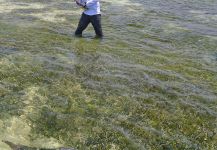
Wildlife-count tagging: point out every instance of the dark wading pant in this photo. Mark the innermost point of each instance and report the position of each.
(95, 20)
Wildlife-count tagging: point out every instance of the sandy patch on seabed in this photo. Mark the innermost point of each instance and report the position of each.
(6, 7)
(50, 15)
(17, 130)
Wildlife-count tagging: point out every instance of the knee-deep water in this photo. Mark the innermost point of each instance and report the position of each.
(151, 83)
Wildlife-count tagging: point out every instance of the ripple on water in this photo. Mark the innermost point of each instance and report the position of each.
(59, 62)
(7, 50)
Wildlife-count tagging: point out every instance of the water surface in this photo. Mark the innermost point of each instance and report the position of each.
(151, 83)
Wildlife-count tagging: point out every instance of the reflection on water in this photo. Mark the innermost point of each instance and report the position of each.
(149, 84)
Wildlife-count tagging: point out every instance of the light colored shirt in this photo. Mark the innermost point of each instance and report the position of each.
(92, 7)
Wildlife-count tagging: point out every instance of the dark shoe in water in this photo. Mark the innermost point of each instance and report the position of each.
(98, 37)
(78, 35)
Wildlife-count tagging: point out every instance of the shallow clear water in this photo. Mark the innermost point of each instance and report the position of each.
(151, 83)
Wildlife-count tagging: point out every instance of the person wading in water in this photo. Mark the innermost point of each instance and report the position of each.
(91, 15)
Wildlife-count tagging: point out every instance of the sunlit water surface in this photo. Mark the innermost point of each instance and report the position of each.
(151, 83)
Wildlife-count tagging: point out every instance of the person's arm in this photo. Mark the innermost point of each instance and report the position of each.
(81, 3)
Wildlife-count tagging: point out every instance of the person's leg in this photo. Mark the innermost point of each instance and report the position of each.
(83, 23)
(96, 22)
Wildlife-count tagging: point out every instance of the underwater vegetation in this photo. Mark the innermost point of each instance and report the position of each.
(151, 83)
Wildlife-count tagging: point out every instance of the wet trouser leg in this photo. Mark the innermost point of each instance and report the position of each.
(83, 23)
(96, 22)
